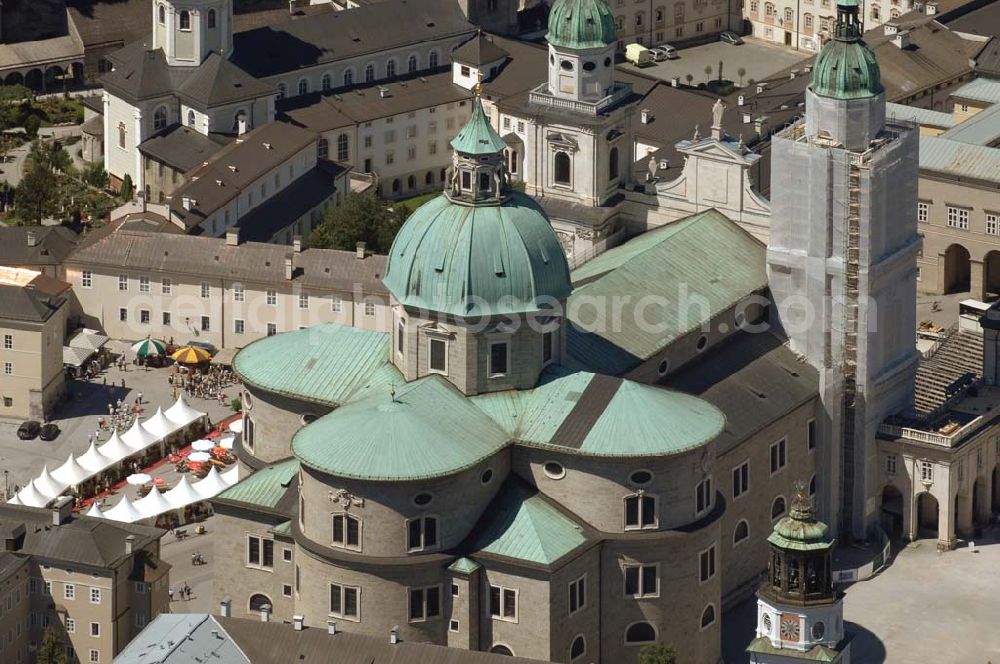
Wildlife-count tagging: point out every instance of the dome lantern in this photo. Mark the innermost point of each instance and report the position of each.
(846, 68)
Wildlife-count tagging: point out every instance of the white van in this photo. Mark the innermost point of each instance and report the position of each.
(638, 55)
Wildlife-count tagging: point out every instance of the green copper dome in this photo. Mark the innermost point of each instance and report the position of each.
(846, 68)
(801, 530)
(471, 260)
(581, 24)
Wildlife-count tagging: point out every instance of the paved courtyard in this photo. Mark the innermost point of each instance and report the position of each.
(925, 607)
(198, 577)
(77, 418)
(759, 59)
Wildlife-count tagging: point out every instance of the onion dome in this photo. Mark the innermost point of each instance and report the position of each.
(581, 24)
(846, 68)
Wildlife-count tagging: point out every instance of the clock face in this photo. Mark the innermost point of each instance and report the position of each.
(765, 623)
(790, 628)
(819, 629)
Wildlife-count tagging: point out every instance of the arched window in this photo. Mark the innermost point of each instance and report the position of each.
(211, 18)
(742, 532)
(348, 76)
(769, 9)
(561, 168)
(303, 86)
(638, 19)
(162, 17)
(659, 14)
(807, 21)
(708, 616)
(433, 59)
(613, 164)
(789, 14)
(777, 507)
(160, 118)
(190, 121)
(369, 73)
(411, 64)
(257, 600)
(343, 153)
(876, 13)
(185, 20)
(323, 149)
(411, 183)
(500, 649)
(429, 178)
(240, 121)
(395, 186)
(390, 68)
(282, 90)
(579, 647)
(640, 632)
(512, 161)
(324, 82)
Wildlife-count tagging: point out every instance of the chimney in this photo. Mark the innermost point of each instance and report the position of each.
(746, 118)
(675, 82)
(331, 627)
(289, 269)
(186, 202)
(359, 250)
(902, 39)
(297, 623)
(297, 244)
(645, 116)
(265, 613)
(61, 510)
(793, 73)
(225, 607)
(32, 238)
(740, 100)
(383, 92)
(129, 544)
(394, 635)
(890, 29)
(241, 124)
(215, 634)
(232, 237)
(760, 87)
(931, 9)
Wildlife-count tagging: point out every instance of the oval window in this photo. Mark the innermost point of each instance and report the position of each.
(422, 499)
(607, 62)
(662, 368)
(589, 66)
(486, 476)
(566, 65)
(640, 477)
(308, 418)
(247, 401)
(554, 470)
(702, 342)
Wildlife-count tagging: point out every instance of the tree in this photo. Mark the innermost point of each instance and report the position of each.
(52, 650)
(31, 125)
(95, 175)
(126, 190)
(360, 218)
(657, 653)
(708, 72)
(741, 72)
(38, 194)
(689, 78)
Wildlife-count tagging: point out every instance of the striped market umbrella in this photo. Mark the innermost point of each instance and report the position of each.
(191, 355)
(149, 346)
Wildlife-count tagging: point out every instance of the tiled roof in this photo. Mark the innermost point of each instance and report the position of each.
(24, 303)
(706, 257)
(288, 205)
(265, 487)
(959, 159)
(333, 363)
(427, 429)
(53, 244)
(523, 524)
(181, 147)
(480, 50)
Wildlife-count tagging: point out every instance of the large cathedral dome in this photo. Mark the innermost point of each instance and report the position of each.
(846, 68)
(481, 248)
(580, 24)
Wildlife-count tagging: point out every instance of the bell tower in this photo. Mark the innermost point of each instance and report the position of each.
(188, 30)
(582, 39)
(799, 613)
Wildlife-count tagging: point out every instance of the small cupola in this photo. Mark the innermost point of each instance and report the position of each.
(479, 174)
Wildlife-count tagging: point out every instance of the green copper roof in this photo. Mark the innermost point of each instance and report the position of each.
(820, 653)
(284, 529)
(429, 429)
(800, 530)
(464, 566)
(520, 523)
(581, 24)
(325, 364)
(265, 487)
(478, 135)
(705, 259)
(845, 67)
(477, 260)
(585, 413)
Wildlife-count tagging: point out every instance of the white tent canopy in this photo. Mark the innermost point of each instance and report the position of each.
(182, 494)
(159, 425)
(152, 504)
(139, 438)
(94, 461)
(30, 496)
(14, 500)
(71, 472)
(236, 426)
(115, 449)
(181, 414)
(124, 511)
(47, 485)
(232, 476)
(212, 485)
(95, 511)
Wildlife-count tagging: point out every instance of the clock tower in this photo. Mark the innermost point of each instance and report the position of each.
(800, 616)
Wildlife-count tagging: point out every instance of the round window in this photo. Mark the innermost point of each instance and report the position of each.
(308, 418)
(818, 630)
(422, 499)
(554, 470)
(640, 477)
(247, 400)
(607, 62)
(589, 66)
(662, 368)
(702, 342)
(566, 65)
(487, 476)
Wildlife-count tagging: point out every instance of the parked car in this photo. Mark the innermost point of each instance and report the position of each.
(49, 431)
(28, 430)
(638, 55)
(730, 38)
(664, 52)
